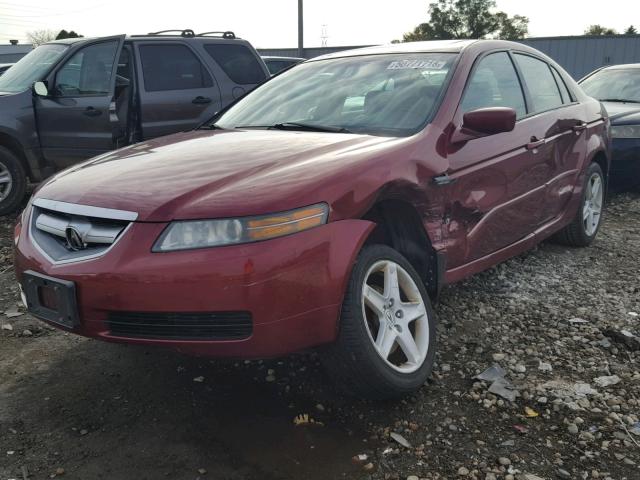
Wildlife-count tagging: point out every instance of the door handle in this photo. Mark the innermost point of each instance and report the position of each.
(580, 127)
(201, 100)
(535, 143)
(92, 112)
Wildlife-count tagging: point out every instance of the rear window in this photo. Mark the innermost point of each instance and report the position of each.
(237, 61)
(172, 67)
(542, 86)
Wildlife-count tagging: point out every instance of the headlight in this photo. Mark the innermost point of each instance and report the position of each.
(625, 131)
(192, 234)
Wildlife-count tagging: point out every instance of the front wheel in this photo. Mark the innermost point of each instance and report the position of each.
(584, 227)
(386, 341)
(13, 182)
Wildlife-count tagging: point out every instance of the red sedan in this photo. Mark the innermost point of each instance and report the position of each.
(325, 208)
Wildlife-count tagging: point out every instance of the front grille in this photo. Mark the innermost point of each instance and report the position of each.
(181, 326)
(67, 232)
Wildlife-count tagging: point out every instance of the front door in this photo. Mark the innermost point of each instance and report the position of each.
(77, 120)
(500, 180)
(177, 91)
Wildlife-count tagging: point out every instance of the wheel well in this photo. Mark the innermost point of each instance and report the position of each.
(398, 225)
(12, 144)
(601, 159)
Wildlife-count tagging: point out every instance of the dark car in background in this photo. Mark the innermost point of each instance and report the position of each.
(323, 209)
(618, 88)
(73, 99)
(4, 67)
(277, 64)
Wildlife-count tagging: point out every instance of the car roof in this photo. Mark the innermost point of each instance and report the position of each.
(624, 66)
(272, 57)
(431, 46)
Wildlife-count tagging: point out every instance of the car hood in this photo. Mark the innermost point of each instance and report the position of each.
(213, 174)
(623, 113)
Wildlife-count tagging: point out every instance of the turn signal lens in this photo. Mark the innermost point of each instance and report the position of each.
(287, 223)
(192, 234)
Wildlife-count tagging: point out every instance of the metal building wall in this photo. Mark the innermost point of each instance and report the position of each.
(13, 53)
(581, 55)
(578, 55)
(308, 52)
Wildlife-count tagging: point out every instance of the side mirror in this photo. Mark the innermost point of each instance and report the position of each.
(484, 122)
(40, 89)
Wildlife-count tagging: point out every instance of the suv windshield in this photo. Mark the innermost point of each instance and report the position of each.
(614, 85)
(31, 68)
(375, 94)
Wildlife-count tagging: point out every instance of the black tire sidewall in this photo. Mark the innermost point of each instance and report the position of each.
(19, 179)
(380, 370)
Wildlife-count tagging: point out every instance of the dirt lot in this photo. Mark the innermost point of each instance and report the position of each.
(555, 319)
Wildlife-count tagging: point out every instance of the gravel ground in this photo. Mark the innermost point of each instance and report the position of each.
(559, 322)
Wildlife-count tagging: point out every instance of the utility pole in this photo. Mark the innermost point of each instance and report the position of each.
(300, 29)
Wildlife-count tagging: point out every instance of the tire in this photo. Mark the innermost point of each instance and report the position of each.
(12, 192)
(580, 232)
(353, 360)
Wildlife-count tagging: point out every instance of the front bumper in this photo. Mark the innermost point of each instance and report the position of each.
(625, 164)
(292, 286)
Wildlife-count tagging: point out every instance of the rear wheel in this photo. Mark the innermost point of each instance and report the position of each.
(584, 227)
(13, 181)
(386, 342)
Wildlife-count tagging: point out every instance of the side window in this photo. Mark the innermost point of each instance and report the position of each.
(566, 97)
(237, 61)
(88, 71)
(494, 83)
(172, 67)
(540, 83)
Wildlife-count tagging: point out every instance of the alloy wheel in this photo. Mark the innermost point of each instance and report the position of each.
(395, 316)
(592, 208)
(6, 182)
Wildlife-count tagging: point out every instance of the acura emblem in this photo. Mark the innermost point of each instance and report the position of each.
(74, 239)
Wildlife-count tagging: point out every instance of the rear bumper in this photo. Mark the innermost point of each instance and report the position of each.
(625, 165)
(292, 286)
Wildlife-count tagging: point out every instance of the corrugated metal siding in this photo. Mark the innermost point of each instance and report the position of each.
(13, 53)
(578, 55)
(582, 55)
(308, 52)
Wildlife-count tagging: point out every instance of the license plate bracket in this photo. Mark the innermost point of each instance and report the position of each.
(51, 299)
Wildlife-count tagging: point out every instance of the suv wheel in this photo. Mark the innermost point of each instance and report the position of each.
(584, 227)
(13, 182)
(386, 343)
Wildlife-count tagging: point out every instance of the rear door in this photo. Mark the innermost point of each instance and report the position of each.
(177, 90)
(500, 180)
(76, 120)
(558, 119)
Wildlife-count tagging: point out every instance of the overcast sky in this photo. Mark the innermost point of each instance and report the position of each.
(273, 23)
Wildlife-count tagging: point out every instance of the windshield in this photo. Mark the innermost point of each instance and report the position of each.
(31, 68)
(614, 85)
(374, 94)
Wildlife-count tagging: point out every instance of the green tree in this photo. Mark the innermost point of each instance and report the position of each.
(599, 30)
(64, 34)
(631, 30)
(468, 19)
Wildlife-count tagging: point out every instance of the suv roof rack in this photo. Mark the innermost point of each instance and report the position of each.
(188, 33)
(229, 35)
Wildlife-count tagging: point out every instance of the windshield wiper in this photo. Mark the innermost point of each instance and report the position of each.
(619, 100)
(306, 126)
(211, 126)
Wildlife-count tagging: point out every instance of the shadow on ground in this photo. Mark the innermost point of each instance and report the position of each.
(116, 411)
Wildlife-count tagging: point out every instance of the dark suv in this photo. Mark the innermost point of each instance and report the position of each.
(73, 99)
